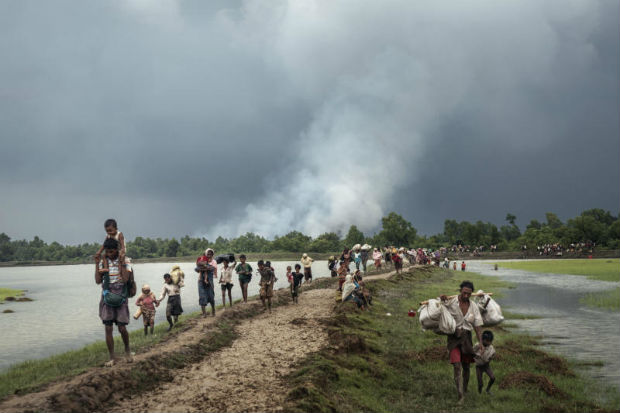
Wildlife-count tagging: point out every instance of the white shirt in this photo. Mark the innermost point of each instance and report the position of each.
(227, 273)
(485, 357)
(468, 321)
(170, 290)
(113, 267)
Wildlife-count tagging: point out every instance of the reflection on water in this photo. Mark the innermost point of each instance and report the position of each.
(566, 327)
(65, 316)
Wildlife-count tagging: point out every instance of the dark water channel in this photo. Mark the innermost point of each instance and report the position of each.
(566, 326)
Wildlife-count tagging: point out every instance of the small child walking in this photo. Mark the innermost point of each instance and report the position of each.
(289, 277)
(147, 303)
(483, 361)
(173, 307)
(297, 279)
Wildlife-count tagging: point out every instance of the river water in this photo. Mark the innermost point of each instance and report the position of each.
(567, 327)
(65, 312)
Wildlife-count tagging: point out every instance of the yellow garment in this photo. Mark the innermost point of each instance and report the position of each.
(178, 276)
(306, 261)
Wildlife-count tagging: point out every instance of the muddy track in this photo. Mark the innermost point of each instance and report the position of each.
(232, 362)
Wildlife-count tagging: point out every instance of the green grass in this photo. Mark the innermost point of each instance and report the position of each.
(597, 269)
(609, 300)
(29, 375)
(382, 363)
(9, 292)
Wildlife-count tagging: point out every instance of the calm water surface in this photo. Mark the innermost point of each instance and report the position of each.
(65, 313)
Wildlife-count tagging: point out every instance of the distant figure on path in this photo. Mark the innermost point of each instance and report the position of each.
(267, 278)
(113, 308)
(307, 263)
(206, 266)
(244, 270)
(364, 258)
(463, 265)
(226, 281)
(147, 302)
(454, 265)
(376, 256)
(297, 278)
(173, 307)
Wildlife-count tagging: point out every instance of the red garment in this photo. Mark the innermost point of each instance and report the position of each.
(463, 265)
(396, 258)
(146, 301)
(202, 258)
(457, 357)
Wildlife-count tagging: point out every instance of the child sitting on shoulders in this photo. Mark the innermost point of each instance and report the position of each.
(147, 302)
(112, 232)
(483, 360)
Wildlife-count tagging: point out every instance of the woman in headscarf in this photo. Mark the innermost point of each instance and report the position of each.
(206, 266)
(347, 292)
(376, 256)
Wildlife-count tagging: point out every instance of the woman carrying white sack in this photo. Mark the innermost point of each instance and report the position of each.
(467, 316)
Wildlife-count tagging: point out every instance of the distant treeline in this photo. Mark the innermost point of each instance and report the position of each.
(592, 226)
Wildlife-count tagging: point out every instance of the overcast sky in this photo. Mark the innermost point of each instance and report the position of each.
(205, 118)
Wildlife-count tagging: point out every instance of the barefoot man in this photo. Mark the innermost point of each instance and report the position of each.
(468, 318)
(267, 278)
(113, 275)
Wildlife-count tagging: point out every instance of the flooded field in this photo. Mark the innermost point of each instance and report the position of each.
(566, 326)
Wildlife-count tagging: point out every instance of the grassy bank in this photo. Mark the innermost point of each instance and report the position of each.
(386, 363)
(9, 292)
(608, 300)
(596, 269)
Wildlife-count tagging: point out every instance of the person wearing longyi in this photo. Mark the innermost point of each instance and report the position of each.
(113, 276)
(468, 318)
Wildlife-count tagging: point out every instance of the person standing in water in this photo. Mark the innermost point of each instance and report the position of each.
(113, 276)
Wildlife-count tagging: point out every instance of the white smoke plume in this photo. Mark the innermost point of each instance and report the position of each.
(380, 79)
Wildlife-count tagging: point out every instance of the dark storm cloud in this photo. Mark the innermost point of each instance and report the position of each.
(204, 118)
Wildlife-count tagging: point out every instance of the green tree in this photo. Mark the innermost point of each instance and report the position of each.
(511, 219)
(354, 236)
(397, 230)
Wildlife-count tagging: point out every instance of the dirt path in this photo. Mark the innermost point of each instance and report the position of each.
(247, 375)
(266, 349)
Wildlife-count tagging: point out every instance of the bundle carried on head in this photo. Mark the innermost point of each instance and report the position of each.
(230, 257)
(366, 247)
(356, 247)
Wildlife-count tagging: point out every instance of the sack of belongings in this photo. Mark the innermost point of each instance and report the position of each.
(490, 311)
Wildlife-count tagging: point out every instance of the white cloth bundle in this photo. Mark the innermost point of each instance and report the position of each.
(366, 247)
(489, 309)
(436, 317)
